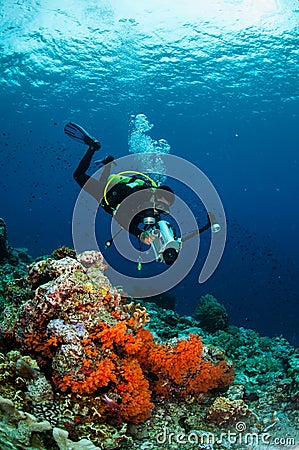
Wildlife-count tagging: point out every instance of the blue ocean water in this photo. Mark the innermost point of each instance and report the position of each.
(218, 80)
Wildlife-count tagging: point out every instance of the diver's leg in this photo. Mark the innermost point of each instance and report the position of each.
(89, 184)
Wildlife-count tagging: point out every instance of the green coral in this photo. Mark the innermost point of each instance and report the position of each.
(293, 363)
(211, 314)
(258, 360)
(17, 291)
(3, 240)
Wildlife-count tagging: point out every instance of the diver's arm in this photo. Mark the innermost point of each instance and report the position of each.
(122, 217)
(80, 175)
(89, 184)
(202, 229)
(134, 229)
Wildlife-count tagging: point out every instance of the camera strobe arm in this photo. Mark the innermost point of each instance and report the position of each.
(215, 227)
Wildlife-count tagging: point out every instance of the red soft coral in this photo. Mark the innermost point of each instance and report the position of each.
(134, 391)
(117, 336)
(129, 366)
(181, 369)
(98, 378)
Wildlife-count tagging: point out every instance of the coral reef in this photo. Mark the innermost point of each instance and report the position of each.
(20, 429)
(139, 315)
(13, 287)
(211, 314)
(91, 258)
(92, 342)
(83, 366)
(92, 345)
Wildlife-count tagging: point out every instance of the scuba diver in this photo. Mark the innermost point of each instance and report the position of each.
(139, 214)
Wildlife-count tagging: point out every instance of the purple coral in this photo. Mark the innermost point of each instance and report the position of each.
(68, 333)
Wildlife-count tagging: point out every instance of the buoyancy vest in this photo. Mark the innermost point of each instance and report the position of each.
(121, 188)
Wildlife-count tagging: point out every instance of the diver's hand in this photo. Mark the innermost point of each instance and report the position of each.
(108, 159)
(147, 238)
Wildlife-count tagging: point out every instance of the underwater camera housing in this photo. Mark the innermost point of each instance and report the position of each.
(166, 245)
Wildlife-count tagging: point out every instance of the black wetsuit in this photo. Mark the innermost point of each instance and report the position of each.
(130, 214)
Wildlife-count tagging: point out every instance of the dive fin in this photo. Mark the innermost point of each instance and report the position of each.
(80, 135)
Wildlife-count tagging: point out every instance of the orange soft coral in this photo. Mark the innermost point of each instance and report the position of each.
(119, 369)
(134, 391)
(96, 379)
(40, 344)
(119, 361)
(181, 369)
(117, 337)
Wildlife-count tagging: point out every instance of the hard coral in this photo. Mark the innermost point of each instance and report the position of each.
(91, 258)
(49, 269)
(63, 251)
(139, 315)
(17, 426)
(225, 412)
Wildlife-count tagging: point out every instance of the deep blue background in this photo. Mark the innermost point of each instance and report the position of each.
(224, 94)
